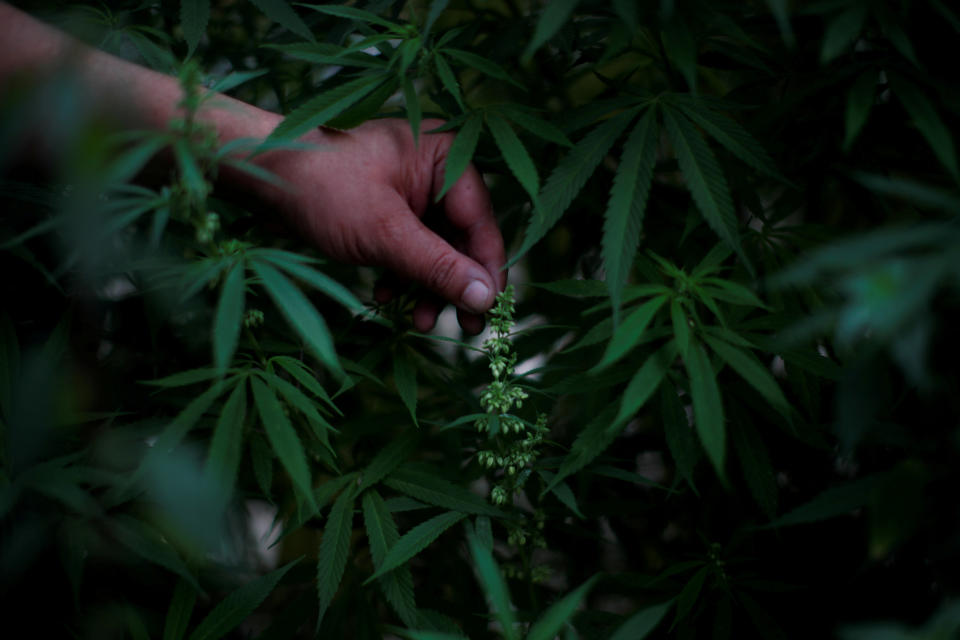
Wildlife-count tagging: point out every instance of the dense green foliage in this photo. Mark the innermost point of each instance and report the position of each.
(733, 230)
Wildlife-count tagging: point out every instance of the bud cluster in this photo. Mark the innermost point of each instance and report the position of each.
(514, 442)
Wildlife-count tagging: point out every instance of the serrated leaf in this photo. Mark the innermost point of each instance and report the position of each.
(437, 8)
(535, 125)
(704, 178)
(194, 15)
(397, 586)
(689, 594)
(681, 328)
(678, 434)
(334, 549)
(234, 80)
(550, 623)
(460, 152)
(305, 376)
(563, 493)
(859, 103)
(366, 108)
(353, 13)
(515, 155)
(283, 438)
(412, 103)
(630, 331)
(592, 440)
(223, 459)
(568, 178)
(481, 64)
(494, 586)
(301, 315)
(229, 317)
(432, 489)
(236, 607)
(646, 381)
(184, 378)
(405, 379)
(296, 399)
(627, 205)
(842, 31)
(283, 14)
(639, 625)
(555, 14)
(749, 367)
(415, 541)
(756, 466)
(834, 502)
(261, 459)
(149, 545)
(171, 436)
(328, 54)
(190, 172)
(926, 119)
(325, 106)
(730, 134)
(387, 460)
(732, 292)
(707, 406)
(448, 79)
(179, 612)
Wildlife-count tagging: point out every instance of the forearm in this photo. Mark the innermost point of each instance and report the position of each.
(119, 91)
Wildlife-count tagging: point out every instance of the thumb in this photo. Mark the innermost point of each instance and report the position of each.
(421, 255)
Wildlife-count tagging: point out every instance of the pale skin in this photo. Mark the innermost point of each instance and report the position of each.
(360, 198)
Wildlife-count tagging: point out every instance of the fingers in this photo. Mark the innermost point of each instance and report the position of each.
(467, 206)
(415, 252)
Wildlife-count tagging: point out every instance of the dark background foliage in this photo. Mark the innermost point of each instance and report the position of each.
(734, 241)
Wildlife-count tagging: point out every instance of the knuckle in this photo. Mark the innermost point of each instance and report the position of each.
(442, 271)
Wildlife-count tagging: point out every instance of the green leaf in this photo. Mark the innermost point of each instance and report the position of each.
(368, 107)
(387, 460)
(194, 15)
(730, 134)
(261, 458)
(704, 179)
(229, 317)
(236, 607)
(448, 79)
(190, 172)
(639, 625)
(223, 461)
(550, 623)
(437, 8)
(592, 440)
(235, 79)
(302, 374)
(171, 436)
(334, 549)
(678, 434)
(834, 502)
(757, 468)
(646, 381)
(574, 288)
(283, 439)
(301, 315)
(732, 292)
(405, 378)
(781, 12)
(627, 205)
(432, 489)
(181, 608)
(412, 103)
(681, 328)
(630, 331)
(568, 178)
(397, 586)
(494, 586)
(184, 378)
(707, 406)
(149, 545)
(325, 106)
(353, 13)
(681, 47)
(415, 541)
(749, 367)
(515, 155)
(280, 12)
(842, 31)
(320, 281)
(328, 54)
(534, 124)
(859, 102)
(481, 64)
(563, 493)
(925, 116)
(460, 152)
(555, 15)
(296, 399)
(689, 594)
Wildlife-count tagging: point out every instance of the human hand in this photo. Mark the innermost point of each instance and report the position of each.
(362, 199)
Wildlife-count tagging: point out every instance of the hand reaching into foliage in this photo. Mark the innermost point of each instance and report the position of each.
(360, 198)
